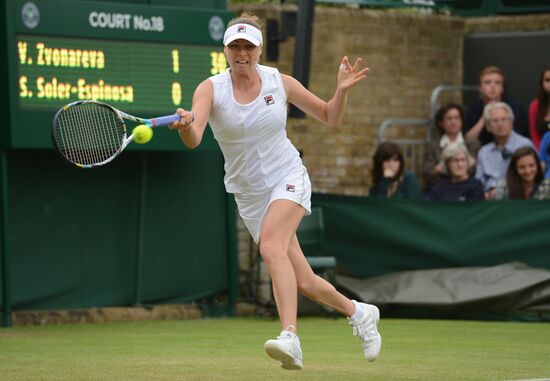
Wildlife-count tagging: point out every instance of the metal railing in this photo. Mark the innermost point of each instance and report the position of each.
(413, 147)
(436, 94)
(414, 142)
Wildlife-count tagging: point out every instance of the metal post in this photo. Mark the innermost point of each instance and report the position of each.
(302, 49)
(232, 260)
(140, 230)
(492, 7)
(4, 254)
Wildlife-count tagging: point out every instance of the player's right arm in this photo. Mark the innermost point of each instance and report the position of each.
(193, 123)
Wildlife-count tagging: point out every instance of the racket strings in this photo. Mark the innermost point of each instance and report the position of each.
(88, 133)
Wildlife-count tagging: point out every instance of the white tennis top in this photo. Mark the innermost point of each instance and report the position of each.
(252, 137)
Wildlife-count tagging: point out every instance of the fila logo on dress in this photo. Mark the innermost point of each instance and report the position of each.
(290, 188)
(269, 100)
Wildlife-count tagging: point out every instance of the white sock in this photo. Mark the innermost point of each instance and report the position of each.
(358, 314)
(288, 331)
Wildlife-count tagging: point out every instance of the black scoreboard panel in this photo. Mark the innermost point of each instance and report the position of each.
(144, 60)
(137, 76)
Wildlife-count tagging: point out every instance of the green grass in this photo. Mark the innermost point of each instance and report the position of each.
(232, 349)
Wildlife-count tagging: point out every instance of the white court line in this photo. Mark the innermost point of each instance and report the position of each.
(532, 379)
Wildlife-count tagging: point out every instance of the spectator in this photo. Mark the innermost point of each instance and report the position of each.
(449, 121)
(524, 178)
(544, 154)
(493, 158)
(459, 186)
(389, 177)
(539, 109)
(491, 89)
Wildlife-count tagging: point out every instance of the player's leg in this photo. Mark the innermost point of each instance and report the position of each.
(314, 286)
(280, 223)
(363, 317)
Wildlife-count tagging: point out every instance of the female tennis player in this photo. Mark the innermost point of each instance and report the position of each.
(246, 107)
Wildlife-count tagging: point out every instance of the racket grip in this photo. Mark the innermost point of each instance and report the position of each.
(165, 120)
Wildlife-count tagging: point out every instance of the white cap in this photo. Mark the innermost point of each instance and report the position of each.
(243, 31)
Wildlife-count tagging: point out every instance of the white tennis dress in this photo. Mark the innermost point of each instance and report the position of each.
(261, 164)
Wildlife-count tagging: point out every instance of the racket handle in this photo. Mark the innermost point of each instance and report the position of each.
(165, 120)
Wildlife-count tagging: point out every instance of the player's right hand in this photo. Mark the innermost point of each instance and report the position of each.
(184, 123)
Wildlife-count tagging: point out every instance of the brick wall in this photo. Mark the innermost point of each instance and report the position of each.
(523, 23)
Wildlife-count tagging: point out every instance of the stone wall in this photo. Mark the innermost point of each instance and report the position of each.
(107, 314)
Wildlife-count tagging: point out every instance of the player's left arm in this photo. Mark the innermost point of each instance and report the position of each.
(331, 112)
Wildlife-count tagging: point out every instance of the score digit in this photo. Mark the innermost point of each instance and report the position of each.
(176, 93)
(218, 63)
(175, 61)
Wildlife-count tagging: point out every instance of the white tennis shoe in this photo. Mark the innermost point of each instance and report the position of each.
(366, 329)
(286, 349)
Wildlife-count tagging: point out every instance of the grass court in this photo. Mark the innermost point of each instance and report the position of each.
(232, 350)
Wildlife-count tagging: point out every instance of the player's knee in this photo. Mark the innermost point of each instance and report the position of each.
(271, 252)
(305, 286)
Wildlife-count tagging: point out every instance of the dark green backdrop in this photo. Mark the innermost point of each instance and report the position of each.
(74, 234)
(371, 237)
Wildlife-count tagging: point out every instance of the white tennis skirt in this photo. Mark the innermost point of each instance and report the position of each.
(252, 208)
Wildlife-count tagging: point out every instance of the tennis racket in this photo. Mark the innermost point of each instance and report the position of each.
(89, 134)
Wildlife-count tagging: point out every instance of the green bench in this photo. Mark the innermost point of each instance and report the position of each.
(311, 234)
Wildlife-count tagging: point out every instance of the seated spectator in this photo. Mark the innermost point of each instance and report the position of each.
(459, 186)
(493, 158)
(389, 177)
(449, 121)
(539, 109)
(491, 89)
(524, 178)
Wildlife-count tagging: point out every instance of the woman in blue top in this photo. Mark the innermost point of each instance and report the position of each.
(544, 153)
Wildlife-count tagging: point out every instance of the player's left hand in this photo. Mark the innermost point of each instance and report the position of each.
(349, 76)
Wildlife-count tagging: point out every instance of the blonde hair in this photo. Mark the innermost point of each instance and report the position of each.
(246, 18)
(491, 70)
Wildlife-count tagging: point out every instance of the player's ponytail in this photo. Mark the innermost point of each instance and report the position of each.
(246, 18)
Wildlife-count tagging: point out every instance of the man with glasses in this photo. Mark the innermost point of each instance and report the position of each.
(494, 157)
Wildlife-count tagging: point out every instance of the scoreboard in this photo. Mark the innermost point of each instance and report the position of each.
(136, 76)
(144, 60)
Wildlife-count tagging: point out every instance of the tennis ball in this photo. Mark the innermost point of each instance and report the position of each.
(142, 134)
